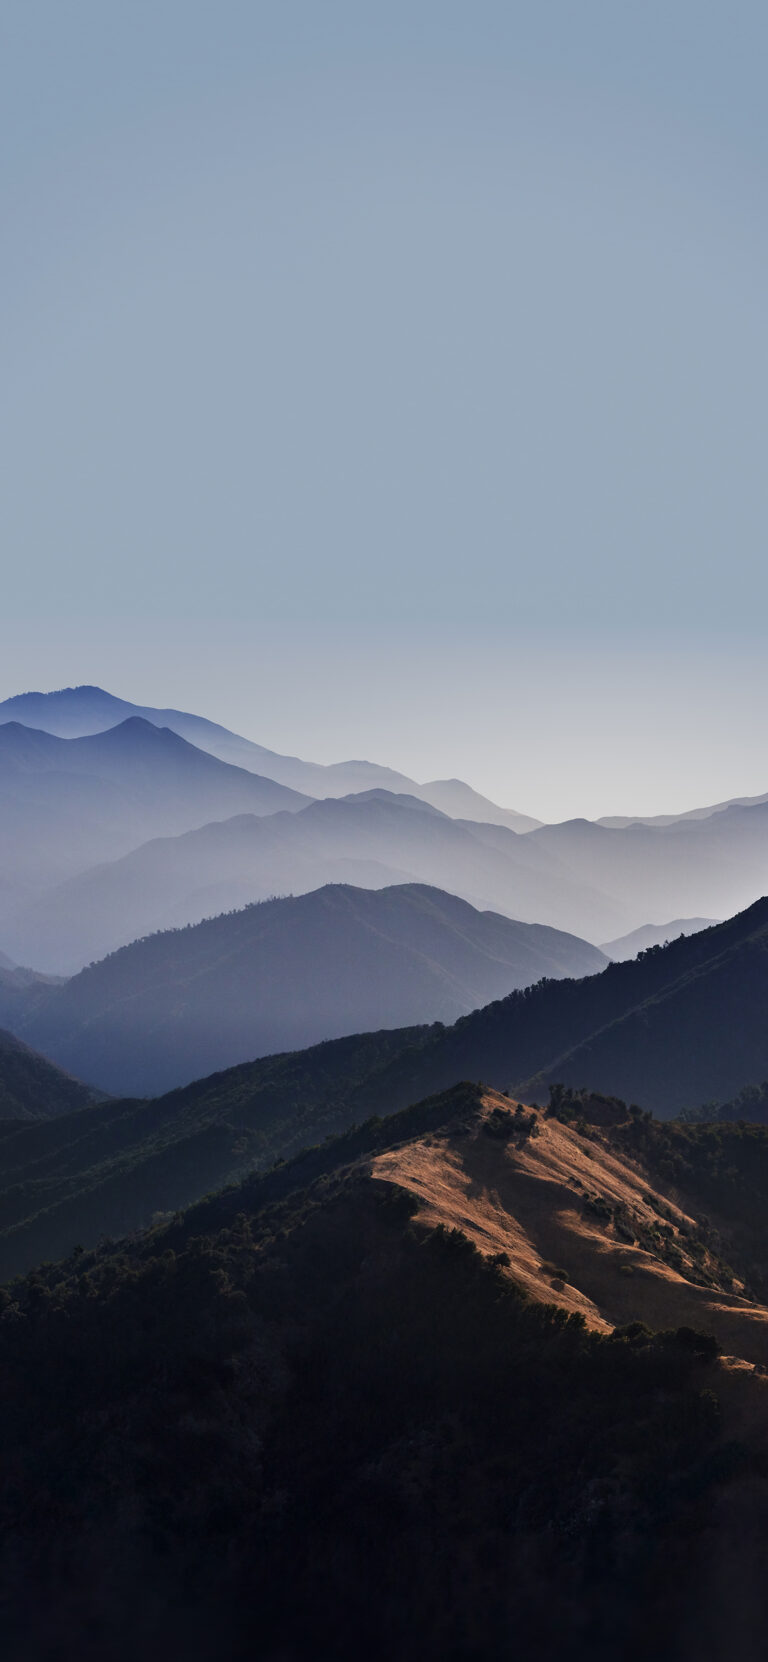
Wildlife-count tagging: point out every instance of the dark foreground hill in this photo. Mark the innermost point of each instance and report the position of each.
(309, 1419)
(676, 1027)
(283, 975)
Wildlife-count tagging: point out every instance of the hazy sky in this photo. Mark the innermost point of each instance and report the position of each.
(390, 379)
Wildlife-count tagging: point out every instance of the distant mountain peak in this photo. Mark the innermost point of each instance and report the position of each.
(401, 798)
(74, 712)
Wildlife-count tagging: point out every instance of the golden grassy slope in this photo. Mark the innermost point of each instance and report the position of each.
(526, 1197)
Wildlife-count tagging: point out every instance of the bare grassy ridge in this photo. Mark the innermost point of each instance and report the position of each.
(580, 1224)
(309, 1418)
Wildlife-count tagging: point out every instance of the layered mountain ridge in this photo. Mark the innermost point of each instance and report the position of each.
(68, 803)
(282, 975)
(75, 711)
(141, 826)
(668, 1030)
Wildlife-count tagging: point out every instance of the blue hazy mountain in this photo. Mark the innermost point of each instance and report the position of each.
(706, 867)
(82, 870)
(75, 711)
(372, 840)
(586, 879)
(68, 803)
(285, 974)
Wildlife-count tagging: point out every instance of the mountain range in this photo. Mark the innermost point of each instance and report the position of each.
(75, 711)
(70, 803)
(282, 975)
(372, 840)
(135, 828)
(678, 1026)
(577, 877)
(72, 712)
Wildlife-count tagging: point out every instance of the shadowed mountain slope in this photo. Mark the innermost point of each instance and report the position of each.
(672, 1028)
(283, 975)
(309, 1418)
(32, 1088)
(108, 1169)
(20, 990)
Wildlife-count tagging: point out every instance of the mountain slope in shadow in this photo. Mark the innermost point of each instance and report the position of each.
(350, 1408)
(33, 1088)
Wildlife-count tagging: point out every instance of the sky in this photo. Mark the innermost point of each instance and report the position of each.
(390, 380)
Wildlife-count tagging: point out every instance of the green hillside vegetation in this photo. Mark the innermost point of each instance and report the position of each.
(294, 1423)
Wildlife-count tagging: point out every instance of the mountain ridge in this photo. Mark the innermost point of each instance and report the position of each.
(373, 840)
(282, 975)
(71, 803)
(106, 1169)
(75, 708)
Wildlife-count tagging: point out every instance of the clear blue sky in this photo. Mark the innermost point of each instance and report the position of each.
(391, 379)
